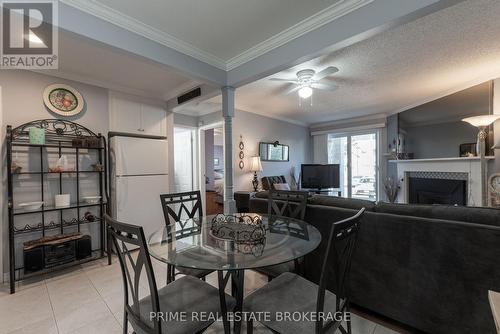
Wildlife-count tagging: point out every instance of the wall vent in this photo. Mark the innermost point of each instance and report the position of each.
(189, 95)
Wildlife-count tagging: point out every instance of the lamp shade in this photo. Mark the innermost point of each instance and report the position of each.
(255, 165)
(481, 121)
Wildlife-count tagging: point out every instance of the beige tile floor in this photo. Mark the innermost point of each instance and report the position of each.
(88, 299)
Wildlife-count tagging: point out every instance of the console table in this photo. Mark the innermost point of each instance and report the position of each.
(242, 199)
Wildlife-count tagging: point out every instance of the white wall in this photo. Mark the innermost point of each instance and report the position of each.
(254, 129)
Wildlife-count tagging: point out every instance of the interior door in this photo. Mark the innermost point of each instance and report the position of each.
(183, 159)
(153, 120)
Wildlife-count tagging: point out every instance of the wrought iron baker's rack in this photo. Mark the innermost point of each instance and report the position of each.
(59, 135)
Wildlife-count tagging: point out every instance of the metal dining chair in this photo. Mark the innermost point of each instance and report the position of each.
(187, 295)
(285, 203)
(292, 293)
(176, 208)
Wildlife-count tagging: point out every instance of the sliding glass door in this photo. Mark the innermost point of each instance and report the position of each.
(357, 156)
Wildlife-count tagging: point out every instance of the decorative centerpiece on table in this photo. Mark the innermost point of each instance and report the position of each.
(246, 232)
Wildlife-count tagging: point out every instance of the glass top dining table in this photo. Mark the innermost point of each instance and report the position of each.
(233, 243)
(207, 243)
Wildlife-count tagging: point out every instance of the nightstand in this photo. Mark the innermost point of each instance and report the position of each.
(242, 199)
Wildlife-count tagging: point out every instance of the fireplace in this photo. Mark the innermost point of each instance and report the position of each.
(437, 188)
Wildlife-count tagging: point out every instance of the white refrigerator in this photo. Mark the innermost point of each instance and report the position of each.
(139, 175)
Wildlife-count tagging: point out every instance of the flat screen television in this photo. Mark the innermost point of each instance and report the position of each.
(315, 176)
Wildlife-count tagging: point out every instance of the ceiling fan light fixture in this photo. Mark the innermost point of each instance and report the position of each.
(305, 92)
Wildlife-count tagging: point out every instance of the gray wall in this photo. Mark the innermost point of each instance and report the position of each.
(219, 154)
(254, 129)
(209, 158)
(22, 102)
(439, 140)
(392, 137)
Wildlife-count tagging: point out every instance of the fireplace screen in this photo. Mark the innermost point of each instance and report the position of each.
(437, 191)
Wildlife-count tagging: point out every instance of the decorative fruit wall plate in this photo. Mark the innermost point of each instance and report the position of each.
(63, 100)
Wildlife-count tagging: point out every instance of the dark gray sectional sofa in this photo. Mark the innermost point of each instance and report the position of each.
(426, 266)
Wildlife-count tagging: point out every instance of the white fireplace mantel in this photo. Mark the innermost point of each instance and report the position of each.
(471, 166)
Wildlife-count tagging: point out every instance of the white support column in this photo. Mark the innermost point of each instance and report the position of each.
(228, 114)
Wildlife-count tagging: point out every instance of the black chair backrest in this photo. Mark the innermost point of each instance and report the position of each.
(170, 202)
(125, 237)
(287, 203)
(341, 245)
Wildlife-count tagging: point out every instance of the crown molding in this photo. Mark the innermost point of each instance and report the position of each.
(129, 23)
(309, 24)
(121, 20)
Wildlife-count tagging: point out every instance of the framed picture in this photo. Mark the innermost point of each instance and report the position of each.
(63, 100)
(216, 161)
(468, 150)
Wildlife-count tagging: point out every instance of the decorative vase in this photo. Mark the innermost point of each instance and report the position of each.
(37, 136)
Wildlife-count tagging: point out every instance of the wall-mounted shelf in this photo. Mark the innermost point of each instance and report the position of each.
(61, 138)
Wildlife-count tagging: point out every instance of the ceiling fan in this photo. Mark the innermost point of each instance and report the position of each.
(308, 79)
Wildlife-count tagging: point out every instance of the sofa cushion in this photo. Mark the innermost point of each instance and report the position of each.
(281, 186)
(485, 216)
(347, 203)
(262, 194)
(268, 181)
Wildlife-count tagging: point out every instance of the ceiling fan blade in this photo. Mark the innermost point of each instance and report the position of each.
(282, 89)
(294, 89)
(283, 80)
(328, 87)
(326, 72)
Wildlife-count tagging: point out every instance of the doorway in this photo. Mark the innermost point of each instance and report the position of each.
(184, 178)
(357, 155)
(212, 153)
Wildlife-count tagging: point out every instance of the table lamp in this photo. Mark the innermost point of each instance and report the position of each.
(255, 166)
(482, 122)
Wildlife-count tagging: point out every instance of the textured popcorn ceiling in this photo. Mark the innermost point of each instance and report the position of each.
(441, 53)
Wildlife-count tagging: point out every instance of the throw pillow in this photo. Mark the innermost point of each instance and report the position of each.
(281, 186)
